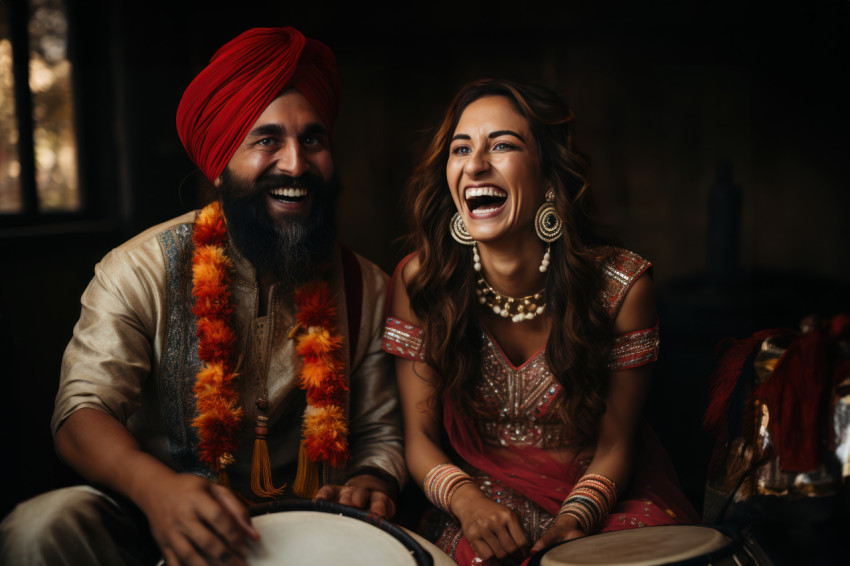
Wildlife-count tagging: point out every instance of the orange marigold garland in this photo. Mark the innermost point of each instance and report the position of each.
(323, 378)
(322, 373)
(219, 413)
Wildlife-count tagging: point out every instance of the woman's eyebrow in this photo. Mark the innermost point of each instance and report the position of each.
(498, 133)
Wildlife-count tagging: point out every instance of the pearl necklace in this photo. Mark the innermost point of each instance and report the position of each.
(517, 308)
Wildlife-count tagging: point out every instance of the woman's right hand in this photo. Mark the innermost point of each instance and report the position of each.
(491, 528)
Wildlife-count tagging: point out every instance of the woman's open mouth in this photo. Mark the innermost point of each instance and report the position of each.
(481, 201)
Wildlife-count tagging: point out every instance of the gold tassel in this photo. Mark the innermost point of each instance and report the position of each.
(223, 461)
(307, 477)
(261, 471)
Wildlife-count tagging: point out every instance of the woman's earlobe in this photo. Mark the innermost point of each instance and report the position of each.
(217, 182)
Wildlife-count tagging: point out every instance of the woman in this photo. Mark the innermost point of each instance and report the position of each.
(521, 344)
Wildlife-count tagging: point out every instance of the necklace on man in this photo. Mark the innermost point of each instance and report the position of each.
(261, 473)
(517, 309)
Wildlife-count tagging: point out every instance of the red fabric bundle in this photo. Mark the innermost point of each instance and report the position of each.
(733, 355)
(243, 78)
(799, 392)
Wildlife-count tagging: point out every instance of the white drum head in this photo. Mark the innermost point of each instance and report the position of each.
(323, 539)
(645, 546)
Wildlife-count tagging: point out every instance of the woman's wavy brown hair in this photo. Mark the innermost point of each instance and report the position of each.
(442, 291)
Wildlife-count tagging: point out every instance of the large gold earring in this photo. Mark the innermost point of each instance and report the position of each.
(459, 232)
(547, 224)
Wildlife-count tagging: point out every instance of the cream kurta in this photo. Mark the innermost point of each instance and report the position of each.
(134, 356)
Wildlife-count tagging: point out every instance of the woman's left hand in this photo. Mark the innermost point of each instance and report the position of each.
(565, 528)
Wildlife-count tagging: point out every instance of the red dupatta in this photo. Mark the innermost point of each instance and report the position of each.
(537, 475)
(531, 471)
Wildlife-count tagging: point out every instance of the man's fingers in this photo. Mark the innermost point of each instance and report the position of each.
(356, 497)
(223, 523)
(218, 551)
(215, 535)
(236, 511)
(374, 500)
(381, 504)
(217, 524)
(329, 493)
(170, 557)
(185, 554)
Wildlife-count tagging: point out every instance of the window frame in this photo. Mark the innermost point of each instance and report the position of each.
(31, 219)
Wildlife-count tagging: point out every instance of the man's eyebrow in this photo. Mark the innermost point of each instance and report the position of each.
(498, 133)
(315, 128)
(312, 129)
(267, 130)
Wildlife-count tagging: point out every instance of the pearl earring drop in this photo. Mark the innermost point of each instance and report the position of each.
(544, 265)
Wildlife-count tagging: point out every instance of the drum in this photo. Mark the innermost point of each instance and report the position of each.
(324, 533)
(648, 546)
(440, 557)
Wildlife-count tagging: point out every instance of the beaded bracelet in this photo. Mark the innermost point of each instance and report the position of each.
(590, 501)
(602, 484)
(578, 513)
(441, 482)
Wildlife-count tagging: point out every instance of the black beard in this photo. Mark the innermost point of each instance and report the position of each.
(289, 252)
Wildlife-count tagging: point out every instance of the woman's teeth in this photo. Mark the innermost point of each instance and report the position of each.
(484, 200)
(485, 192)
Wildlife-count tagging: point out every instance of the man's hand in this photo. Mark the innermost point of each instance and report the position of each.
(198, 522)
(364, 492)
(192, 520)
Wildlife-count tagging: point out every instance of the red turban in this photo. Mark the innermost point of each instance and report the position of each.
(243, 78)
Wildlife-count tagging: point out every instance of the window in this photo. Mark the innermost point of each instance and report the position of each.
(38, 154)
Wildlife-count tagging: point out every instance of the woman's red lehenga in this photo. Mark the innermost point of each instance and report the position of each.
(516, 450)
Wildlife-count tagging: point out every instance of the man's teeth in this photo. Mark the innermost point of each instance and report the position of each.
(289, 193)
(485, 192)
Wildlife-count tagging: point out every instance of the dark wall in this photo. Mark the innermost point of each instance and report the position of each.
(666, 95)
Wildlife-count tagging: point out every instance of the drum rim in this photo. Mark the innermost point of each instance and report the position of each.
(420, 556)
(735, 543)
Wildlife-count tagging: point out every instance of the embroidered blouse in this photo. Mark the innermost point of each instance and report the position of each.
(518, 400)
(620, 268)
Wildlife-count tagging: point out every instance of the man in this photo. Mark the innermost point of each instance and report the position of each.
(239, 345)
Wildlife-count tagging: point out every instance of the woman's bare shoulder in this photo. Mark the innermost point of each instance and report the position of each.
(405, 271)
